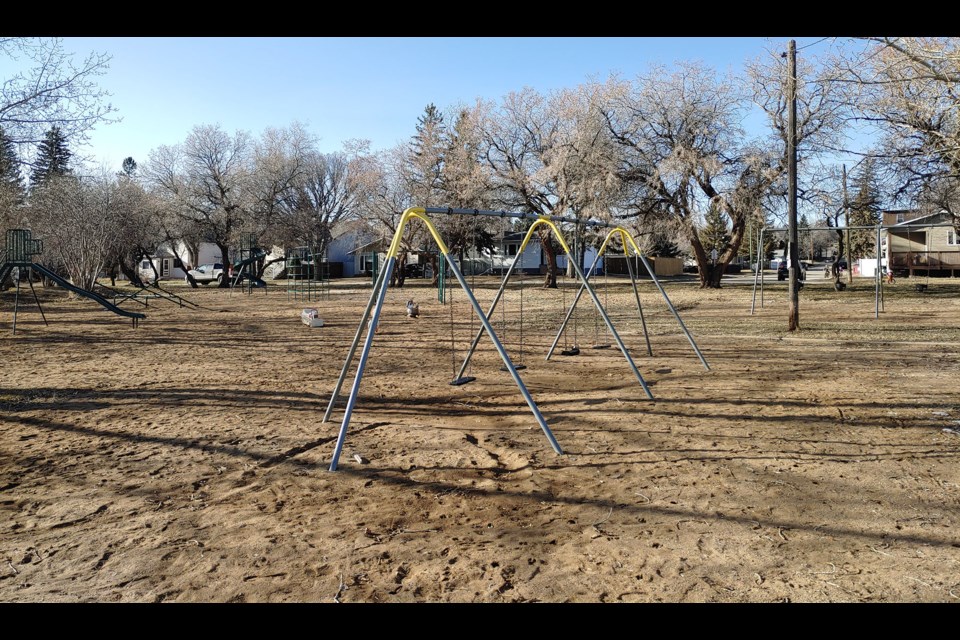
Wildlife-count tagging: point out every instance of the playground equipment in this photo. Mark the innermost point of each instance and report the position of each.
(243, 269)
(375, 304)
(627, 239)
(19, 251)
(308, 274)
(145, 293)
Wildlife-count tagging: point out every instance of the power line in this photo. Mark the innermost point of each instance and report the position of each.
(813, 43)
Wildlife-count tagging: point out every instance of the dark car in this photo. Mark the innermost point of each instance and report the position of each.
(783, 272)
(414, 270)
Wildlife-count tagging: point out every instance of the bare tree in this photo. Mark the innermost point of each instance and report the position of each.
(209, 179)
(383, 194)
(907, 88)
(685, 147)
(321, 197)
(51, 88)
(77, 218)
(549, 155)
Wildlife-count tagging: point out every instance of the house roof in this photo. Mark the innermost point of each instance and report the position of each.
(376, 245)
(930, 218)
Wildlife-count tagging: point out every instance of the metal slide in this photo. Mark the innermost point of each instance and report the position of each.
(238, 267)
(96, 297)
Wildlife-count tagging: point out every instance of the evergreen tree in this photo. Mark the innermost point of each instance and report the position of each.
(53, 158)
(661, 246)
(129, 167)
(715, 233)
(864, 210)
(425, 161)
(11, 180)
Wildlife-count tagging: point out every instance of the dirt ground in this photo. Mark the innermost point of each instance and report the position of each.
(187, 460)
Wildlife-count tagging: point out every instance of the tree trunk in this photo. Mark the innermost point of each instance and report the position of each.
(710, 274)
(399, 271)
(131, 274)
(435, 267)
(225, 261)
(550, 281)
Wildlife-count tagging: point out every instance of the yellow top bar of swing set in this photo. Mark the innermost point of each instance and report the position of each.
(556, 232)
(625, 237)
(420, 213)
(415, 212)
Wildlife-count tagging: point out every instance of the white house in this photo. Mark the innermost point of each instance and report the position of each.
(168, 260)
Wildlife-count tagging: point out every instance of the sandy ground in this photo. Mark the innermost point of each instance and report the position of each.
(186, 460)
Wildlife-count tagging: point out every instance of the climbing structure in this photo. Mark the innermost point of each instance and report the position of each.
(308, 274)
(20, 248)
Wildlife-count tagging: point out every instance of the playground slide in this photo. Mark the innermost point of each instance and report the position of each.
(96, 297)
(250, 260)
(4, 272)
(237, 266)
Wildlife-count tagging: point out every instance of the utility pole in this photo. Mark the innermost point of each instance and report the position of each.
(794, 269)
(846, 222)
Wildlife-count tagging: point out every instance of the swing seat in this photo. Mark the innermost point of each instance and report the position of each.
(517, 367)
(461, 381)
(601, 346)
(575, 351)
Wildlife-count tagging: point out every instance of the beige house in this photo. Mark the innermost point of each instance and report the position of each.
(924, 245)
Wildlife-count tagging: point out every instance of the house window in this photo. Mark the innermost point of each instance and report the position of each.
(512, 249)
(952, 238)
(145, 265)
(177, 263)
(899, 218)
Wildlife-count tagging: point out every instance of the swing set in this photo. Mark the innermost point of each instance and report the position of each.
(371, 314)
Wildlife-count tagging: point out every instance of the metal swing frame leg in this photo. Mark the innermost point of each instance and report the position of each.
(351, 401)
(503, 355)
(16, 304)
(603, 313)
(756, 273)
(613, 330)
(372, 329)
(676, 315)
(493, 307)
(353, 346)
(636, 294)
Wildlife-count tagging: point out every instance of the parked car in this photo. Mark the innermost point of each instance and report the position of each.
(783, 272)
(414, 270)
(207, 273)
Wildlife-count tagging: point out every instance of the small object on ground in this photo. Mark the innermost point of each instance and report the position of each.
(921, 288)
(413, 309)
(839, 286)
(953, 431)
(311, 318)
(360, 459)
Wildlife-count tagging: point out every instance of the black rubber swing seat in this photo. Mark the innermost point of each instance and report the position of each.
(600, 346)
(575, 351)
(517, 367)
(463, 380)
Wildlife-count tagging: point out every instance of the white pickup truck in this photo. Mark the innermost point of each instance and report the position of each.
(207, 273)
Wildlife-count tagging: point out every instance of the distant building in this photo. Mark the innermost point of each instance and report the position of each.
(923, 244)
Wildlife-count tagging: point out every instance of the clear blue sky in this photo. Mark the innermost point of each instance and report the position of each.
(343, 88)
